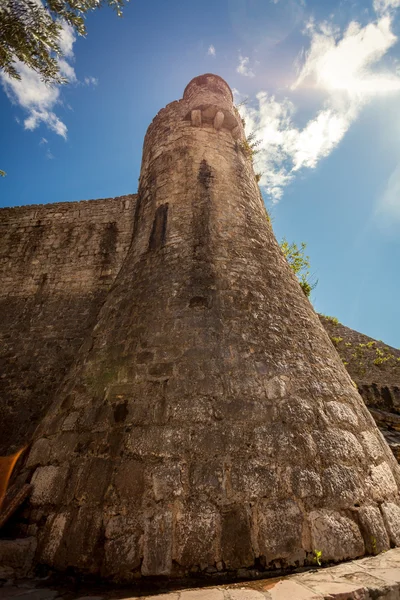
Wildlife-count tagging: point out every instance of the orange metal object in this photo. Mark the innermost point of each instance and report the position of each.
(7, 464)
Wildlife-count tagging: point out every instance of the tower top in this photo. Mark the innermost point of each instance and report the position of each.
(214, 82)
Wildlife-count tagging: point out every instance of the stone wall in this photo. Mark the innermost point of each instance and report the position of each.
(199, 418)
(208, 424)
(57, 262)
(375, 368)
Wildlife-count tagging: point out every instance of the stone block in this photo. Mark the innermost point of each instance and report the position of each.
(128, 482)
(372, 444)
(236, 132)
(52, 535)
(197, 535)
(94, 477)
(80, 537)
(48, 484)
(123, 555)
(381, 484)
(219, 120)
(280, 531)
(373, 530)
(343, 486)
(291, 590)
(254, 479)
(337, 537)
(157, 551)
(236, 545)
(206, 477)
(306, 483)
(391, 518)
(339, 446)
(16, 557)
(39, 454)
(196, 118)
(338, 590)
(167, 480)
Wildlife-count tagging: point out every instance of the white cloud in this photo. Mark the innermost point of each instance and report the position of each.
(67, 70)
(211, 50)
(243, 67)
(91, 81)
(49, 154)
(43, 141)
(384, 6)
(35, 97)
(341, 66)
(67, 40)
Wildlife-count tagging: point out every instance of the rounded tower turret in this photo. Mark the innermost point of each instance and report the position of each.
(208, 423)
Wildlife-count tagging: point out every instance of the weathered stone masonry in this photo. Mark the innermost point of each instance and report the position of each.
(375, 368)
(57, 262)
(207, 423)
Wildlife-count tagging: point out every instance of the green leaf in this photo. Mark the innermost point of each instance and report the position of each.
(30, 32)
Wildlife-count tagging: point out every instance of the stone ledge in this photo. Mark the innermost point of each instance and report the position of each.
(369, 578)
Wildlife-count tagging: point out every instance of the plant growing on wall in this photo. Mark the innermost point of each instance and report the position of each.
(300, 264)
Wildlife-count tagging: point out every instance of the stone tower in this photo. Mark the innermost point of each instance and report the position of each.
(208, 423)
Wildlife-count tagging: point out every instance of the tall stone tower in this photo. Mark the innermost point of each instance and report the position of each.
(208, 423)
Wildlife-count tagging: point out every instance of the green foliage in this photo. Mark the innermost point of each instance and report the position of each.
(381, 357)
(333, 320)
(242, 103)
(365, 352)
(300, 264)
(336, 340)
(30, 32)
(258, 177)
(318, 557)
(2, 173)
(249, 146)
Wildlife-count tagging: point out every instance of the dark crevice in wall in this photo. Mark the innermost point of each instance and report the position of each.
(159, 229)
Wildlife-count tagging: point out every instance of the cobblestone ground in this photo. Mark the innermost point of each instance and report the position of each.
(366, 579)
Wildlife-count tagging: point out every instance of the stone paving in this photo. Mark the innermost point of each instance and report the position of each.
(369, 578)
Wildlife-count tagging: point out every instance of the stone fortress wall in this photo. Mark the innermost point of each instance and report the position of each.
(57, 262)
(205, 422)
(375, 368)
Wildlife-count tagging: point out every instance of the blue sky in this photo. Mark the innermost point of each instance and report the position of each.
(323, 86)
